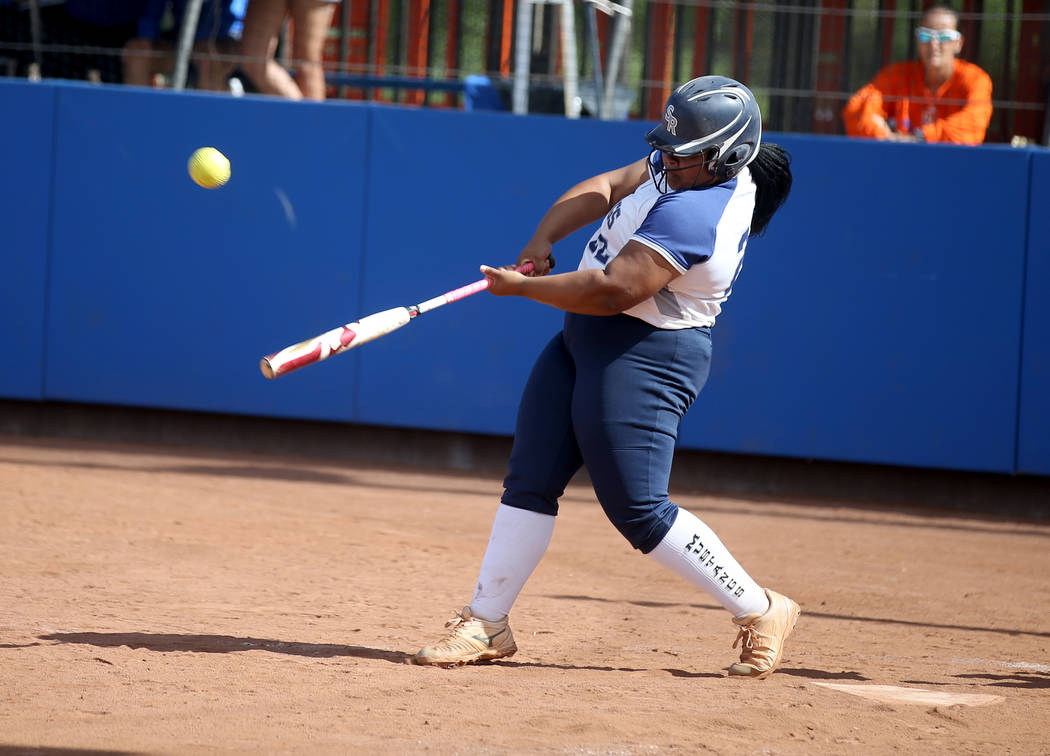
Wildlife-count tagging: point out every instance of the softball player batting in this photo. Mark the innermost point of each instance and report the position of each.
(610, 389)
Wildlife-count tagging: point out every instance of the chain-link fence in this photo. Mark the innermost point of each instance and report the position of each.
(802, 58)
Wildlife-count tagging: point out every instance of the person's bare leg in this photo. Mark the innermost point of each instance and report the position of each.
(311, 20)
(138, 62)
(213, 65)
(262, 26)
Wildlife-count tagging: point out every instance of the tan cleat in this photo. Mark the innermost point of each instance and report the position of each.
(764, 636)
(470, 639)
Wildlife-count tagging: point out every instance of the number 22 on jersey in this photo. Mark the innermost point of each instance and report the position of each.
(598, 247)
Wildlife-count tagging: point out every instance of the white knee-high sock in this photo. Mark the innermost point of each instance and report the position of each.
(517, 543)
(693, 551)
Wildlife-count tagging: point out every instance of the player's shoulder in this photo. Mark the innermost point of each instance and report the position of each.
(691, 207)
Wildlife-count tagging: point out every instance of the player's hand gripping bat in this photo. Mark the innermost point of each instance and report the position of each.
(364, 330)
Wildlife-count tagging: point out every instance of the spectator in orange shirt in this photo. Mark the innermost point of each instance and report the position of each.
(937, 98)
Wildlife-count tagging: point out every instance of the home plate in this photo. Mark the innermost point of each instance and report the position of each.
(894, 694)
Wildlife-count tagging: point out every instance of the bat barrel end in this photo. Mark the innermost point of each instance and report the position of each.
(266, 368)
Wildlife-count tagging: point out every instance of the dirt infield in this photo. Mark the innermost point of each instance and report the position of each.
(165, 600)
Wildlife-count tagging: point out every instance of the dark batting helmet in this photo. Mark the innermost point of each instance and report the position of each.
(714, 115)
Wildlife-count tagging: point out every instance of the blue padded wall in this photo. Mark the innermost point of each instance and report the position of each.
(1033, 442)
(878, 319)
(26, 157)
(166, 294)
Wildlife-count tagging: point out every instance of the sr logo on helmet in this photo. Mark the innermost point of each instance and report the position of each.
(670, 122)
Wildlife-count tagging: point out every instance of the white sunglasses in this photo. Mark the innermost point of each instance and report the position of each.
(924, 34)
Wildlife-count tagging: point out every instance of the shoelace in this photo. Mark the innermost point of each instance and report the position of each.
(748, 634)
(455, 621)
(453, 624)
(751, 638)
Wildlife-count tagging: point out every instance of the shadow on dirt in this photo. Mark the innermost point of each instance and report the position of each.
(222, 644)
(1020, 680)
(592, 668)
(821, 674)
(811, 614)
(1026, 680)
(14, 750)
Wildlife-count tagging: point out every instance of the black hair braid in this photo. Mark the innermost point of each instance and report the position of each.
(771, 172)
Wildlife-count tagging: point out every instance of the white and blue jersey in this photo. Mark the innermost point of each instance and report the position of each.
(701, 232)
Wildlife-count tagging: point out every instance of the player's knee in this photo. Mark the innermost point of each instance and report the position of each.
(644, 527)
(532, 501)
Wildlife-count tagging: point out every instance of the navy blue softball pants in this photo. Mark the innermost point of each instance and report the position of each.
(608, 393)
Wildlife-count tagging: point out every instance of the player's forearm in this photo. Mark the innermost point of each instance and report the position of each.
(586, 292)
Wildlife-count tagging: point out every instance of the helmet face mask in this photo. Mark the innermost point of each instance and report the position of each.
(658, 170)
(714, 115)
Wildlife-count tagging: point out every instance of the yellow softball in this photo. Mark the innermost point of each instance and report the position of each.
(209, 168)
